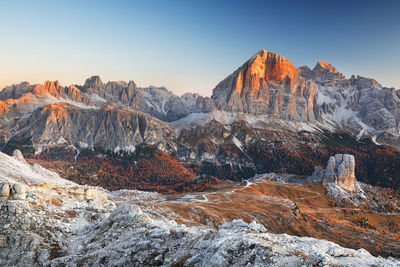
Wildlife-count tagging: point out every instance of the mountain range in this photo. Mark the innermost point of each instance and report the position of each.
(281, 166)
(266, 116)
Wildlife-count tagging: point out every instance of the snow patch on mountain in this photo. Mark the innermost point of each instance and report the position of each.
(237, 143)
(16, 171)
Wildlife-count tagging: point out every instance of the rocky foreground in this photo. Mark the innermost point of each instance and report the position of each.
(49, 221)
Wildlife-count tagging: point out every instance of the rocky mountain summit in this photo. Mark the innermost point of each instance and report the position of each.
(156, 101)
(340, 170)
(268, 84)
(321, 72)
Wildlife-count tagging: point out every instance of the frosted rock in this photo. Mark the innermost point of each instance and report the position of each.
(16, 207)
(90, 193)
(18, 155)
(257, 227)
(4, 190)
(3, 241)
(18, 191)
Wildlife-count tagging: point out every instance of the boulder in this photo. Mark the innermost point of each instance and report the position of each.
(18, 191)
(4, 190)
(17, 154)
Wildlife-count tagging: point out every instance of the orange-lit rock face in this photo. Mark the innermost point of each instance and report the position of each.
(326, 71)
(49, 87)
(56, 106)
(56, 112)
(324, 65)
(263, 68)
(3, 108)
(267, 84)
(54, 89)
(271, 67)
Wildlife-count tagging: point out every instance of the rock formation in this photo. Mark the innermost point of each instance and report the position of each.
(93, 82)
(15, 91)
(322, 72)
(340, 170)
(268, 84)
(17, 154)
(108, 128)
(15, 191)
(156, 101)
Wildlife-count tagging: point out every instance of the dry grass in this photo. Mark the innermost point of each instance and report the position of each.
(272, 204)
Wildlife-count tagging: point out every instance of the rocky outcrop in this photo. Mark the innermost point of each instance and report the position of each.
(14, 191)
(322, 72)
(268, 84)
(5, 190)
(17, 154)
(15, 91)
(3, 108)
(340, 170)
(93, 82)
(109, 128)
(54, 89)
(156, 101)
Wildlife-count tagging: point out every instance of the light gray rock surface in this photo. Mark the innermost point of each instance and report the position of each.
(340, 170)
(109, 128)
(18, 155)
(5, 190)
(156, 101)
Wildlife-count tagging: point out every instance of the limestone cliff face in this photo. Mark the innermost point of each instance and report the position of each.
(359, 105)
(54, 89)
(322, 72)
(156, 101)
(15, 91)
(268, 84)
(108, 128)
(24, 93)
(340, 170)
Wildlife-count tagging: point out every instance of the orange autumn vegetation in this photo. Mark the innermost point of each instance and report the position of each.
(159, 171)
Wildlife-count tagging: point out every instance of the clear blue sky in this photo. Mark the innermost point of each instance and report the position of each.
(192, 45)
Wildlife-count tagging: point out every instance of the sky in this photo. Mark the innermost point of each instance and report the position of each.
(190, 46)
